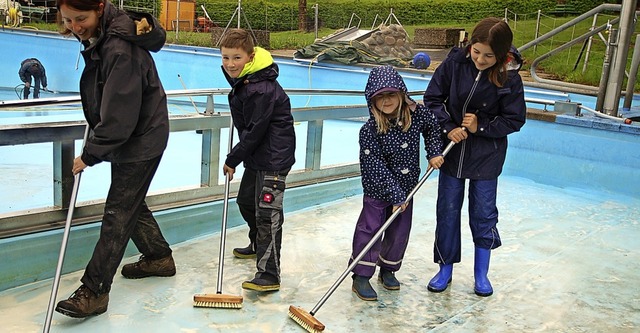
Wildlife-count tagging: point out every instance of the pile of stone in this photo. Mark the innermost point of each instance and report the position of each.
(391, 41)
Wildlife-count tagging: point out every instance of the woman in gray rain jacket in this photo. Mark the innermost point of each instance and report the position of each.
(125, 106)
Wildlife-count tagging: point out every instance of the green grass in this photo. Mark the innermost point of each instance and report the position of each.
(283, 40)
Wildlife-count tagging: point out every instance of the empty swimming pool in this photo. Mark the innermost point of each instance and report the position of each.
(568, 203)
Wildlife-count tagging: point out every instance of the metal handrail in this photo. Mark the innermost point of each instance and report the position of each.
(569, 24)
(351, 20)
(75, 99)
(64, 134)
(571, 86)
(534, 64)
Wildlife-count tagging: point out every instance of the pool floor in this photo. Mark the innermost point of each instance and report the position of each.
(569, 263)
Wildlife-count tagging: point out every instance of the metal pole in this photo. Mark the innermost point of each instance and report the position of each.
(63, 248)
(315, 13)
(535, 46)
(614, 86)
(606, 68)
(633, 72)
(63, 245)
(239, 11)
(225, 210)
(586, 56)
(177, 18)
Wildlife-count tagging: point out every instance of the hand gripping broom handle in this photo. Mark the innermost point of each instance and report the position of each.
(376, 236)
(225, 209)
(63, 246)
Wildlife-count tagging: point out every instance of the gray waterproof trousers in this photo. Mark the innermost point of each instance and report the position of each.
(260, 200)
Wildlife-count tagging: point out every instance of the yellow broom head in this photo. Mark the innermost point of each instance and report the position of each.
(217, 301)
(305, 319)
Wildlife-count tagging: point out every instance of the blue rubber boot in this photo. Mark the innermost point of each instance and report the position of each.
(480, 269)
(440, 281)
(363, 288)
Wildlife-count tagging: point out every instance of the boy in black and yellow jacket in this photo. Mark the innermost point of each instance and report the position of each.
(261, 113)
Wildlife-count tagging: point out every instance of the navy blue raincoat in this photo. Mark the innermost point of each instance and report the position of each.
(261, 112)
(390, 163)
(458, 87)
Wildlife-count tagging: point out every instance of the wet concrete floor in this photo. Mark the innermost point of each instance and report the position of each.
(569, 263)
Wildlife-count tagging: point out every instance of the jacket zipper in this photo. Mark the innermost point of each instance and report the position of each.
(464, 111)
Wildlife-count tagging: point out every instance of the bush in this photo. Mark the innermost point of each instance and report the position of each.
(337, 14)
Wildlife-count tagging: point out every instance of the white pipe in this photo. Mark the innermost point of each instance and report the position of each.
(600, 114)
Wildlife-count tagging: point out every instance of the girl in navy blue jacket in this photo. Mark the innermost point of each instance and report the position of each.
(478, 97)
(390, 167)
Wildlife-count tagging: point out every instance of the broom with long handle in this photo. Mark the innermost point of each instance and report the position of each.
(63, 246)
(307, 319)
(219, 300)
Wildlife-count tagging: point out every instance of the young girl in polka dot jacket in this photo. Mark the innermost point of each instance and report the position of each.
(390, 167)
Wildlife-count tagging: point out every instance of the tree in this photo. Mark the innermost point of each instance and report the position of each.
(302, 16)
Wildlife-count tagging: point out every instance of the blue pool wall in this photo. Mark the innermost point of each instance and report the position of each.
(181, 66)
(579, 144)
(33, 257)
(584, 153)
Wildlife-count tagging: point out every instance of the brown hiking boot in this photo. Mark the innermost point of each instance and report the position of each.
(83, 303)
(146, 267)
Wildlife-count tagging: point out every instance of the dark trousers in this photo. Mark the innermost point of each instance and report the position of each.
(126, 216)
(483, 216)
(260, 200)
(388, 251)
(36, 89)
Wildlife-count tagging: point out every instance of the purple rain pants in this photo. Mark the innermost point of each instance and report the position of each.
(388, 251)
(483, 217)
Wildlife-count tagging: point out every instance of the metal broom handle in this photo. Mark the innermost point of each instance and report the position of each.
(225, 209)
(63, 246)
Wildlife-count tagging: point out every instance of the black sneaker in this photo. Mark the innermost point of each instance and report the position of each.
(248, 252)
(261, 285)
(83, 303)
(146, 267)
